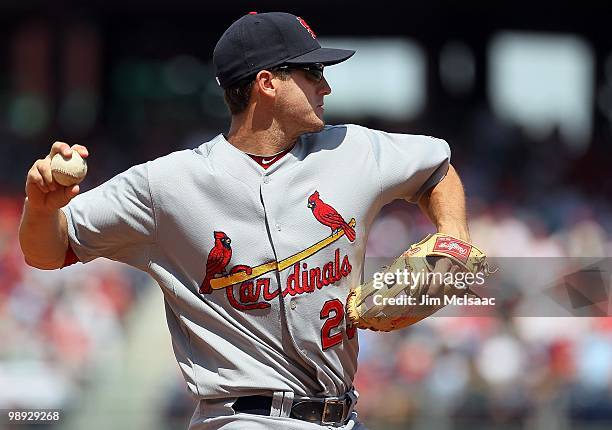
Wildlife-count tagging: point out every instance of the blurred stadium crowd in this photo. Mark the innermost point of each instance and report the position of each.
(527, 198)
(57, 327)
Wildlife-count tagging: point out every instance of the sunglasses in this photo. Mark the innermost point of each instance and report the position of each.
(314, 72)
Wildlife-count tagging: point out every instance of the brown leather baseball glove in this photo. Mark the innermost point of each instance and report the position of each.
(437, 267)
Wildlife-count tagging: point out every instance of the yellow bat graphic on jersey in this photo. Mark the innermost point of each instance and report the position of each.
(236, 278)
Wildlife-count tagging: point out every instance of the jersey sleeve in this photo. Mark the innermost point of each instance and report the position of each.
(114, 220)
(408, 164)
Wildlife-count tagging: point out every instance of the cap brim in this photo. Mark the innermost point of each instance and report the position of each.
(325, 56)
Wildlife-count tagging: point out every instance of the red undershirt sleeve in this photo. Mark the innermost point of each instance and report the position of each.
(70, 258)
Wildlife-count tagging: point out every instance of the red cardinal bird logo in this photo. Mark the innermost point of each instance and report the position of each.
(218, 257)
(328, 216)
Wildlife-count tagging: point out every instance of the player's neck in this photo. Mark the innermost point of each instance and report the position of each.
(266, 140)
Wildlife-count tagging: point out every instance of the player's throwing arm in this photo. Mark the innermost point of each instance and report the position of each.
(50, 184)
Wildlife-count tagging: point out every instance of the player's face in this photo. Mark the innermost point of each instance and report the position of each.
(300, 101)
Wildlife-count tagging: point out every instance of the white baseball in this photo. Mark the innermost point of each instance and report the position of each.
(68, 171)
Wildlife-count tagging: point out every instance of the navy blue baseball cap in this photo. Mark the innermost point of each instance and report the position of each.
(259, 41)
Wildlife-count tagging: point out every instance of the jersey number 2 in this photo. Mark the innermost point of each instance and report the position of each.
(333, 313)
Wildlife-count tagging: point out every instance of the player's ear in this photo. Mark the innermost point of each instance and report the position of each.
(265, 83)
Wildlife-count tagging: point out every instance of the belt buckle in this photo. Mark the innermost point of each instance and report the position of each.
(325, 417)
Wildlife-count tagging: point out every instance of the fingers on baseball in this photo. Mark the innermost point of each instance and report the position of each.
(66, 150)
(41, 177)
(61, 199)
(36, 178)
(60, 148)
(82, 150)
(71, 192)
(44, 168)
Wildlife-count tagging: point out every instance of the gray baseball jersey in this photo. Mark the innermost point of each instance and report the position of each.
(254, 264)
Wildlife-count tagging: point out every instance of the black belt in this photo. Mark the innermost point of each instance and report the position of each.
(330, 411)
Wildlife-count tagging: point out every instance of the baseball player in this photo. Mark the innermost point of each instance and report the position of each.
(256, 236)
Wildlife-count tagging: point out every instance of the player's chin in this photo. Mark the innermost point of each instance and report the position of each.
(318, 122)
(316, 128)
(312, 123)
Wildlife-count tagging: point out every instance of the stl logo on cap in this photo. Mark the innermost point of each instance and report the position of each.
(307, 27)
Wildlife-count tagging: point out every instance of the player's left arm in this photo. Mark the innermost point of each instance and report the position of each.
(444, 205)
